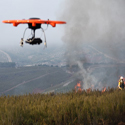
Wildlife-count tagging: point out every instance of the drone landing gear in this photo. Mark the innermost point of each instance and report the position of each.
(33, 40)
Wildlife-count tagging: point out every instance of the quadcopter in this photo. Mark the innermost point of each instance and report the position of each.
(33, 24)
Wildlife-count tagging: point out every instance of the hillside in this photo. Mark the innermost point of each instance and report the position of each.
(35, 55)
(32, 79)
(44, 79)
(55, 55)
(50, 70)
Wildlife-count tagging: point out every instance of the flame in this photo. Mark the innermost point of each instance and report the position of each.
(104, 89)
(78, 86)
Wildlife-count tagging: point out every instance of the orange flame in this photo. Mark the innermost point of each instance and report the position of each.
(104, 89)
(78, 86)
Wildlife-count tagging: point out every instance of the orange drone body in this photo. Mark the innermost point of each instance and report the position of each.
(33, 21)
(33, 24)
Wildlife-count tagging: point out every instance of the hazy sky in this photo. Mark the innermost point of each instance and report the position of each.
(24, 9)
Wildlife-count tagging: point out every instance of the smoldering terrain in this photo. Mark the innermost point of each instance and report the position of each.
(99, 24)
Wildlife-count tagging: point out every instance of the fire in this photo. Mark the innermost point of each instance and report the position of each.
(104, 89)
(78, 86)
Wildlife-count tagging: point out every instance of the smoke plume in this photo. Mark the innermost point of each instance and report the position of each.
(96, 23)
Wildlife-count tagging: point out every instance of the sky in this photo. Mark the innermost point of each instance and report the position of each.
(25, 9)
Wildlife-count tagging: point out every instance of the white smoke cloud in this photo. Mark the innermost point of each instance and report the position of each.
(90, 21)
(100, 23)
(87, 78)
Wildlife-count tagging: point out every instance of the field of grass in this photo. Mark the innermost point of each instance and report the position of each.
(33, 79)
(81, 108)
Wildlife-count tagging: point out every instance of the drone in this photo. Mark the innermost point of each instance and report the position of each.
(33, 24)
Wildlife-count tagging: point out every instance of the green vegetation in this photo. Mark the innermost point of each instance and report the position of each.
(71, 108)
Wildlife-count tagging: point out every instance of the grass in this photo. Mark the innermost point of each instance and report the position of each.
(81, 108)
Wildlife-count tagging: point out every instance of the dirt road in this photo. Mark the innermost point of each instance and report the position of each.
(8, 57)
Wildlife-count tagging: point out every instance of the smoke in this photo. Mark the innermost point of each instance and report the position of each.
(99, 23)
(94, 22)
(88, 80)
